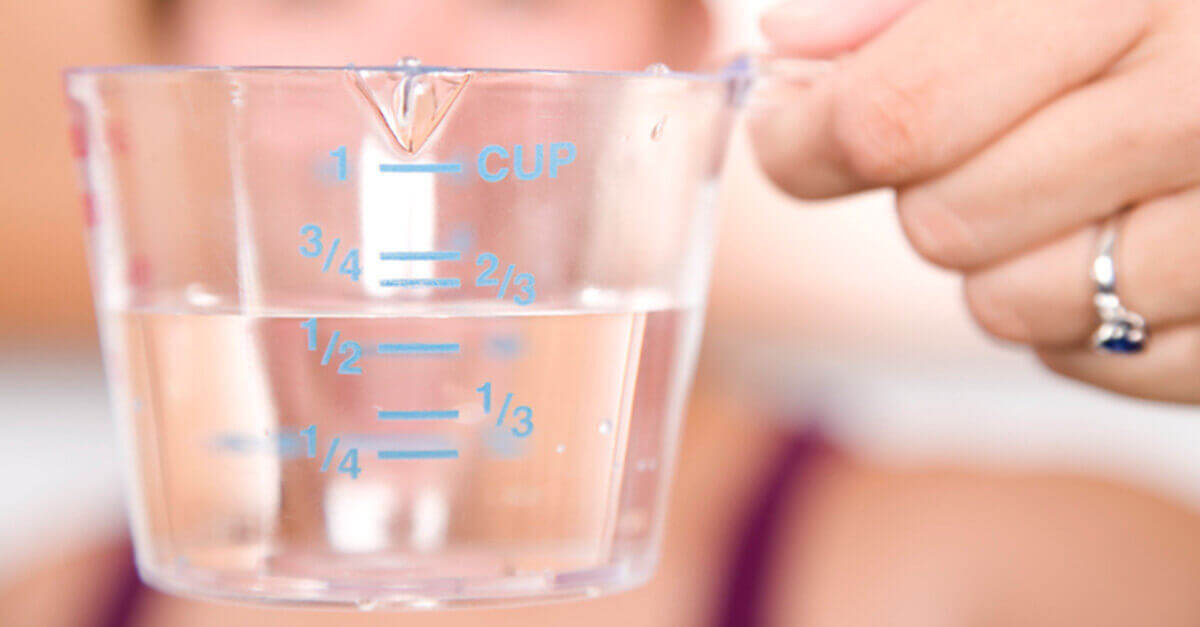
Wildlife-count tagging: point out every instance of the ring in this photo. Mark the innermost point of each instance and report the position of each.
(1121, 331)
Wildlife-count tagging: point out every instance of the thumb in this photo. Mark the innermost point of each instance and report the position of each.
(821, 28)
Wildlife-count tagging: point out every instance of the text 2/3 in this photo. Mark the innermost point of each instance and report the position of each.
(524, 282)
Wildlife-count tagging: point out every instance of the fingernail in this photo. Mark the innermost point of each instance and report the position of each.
(798, 11)
(822, 27)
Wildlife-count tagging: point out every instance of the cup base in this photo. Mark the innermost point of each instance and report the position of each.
(491, 592)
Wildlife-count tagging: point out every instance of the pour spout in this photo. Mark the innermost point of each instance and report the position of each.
(407, 105)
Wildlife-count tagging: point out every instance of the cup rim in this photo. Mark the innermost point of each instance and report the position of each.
(721, 75)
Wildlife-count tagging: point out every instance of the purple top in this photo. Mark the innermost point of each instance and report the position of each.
(744, 601)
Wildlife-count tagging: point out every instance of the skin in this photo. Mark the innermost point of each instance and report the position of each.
(479, 33)
(1011, 131)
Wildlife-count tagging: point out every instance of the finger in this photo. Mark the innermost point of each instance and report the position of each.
(821, 28)
(1045, 297)
(947, 78)
(1085, 156)
(1169, 370)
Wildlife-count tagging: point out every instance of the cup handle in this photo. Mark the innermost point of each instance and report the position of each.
(763, 81)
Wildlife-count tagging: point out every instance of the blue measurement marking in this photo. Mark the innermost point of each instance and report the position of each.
(286, 446)
(439, 283)
(333, 340)
(340, 155)
(449, 255)
(413, 347)
(332, 252)
(329, 456)
(505, 283)
(505, 347)
(433, 454)
(429, 168)
(418, 415)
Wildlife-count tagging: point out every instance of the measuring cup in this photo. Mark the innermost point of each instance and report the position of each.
(405, 337)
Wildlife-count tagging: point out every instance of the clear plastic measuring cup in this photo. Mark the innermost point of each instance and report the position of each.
(403, 336)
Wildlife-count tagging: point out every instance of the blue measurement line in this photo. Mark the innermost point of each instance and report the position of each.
(429, 168)
(418, 415)
(399, 349)
(450, 255)
(433, 454)
(441, 283)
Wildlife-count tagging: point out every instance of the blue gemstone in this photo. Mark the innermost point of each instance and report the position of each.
(1122, 345)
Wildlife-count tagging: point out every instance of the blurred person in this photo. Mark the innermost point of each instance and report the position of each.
(789, 528)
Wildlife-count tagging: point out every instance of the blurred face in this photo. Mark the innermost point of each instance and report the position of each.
(552, 34)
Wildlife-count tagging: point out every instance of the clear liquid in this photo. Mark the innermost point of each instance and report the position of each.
(459, 459)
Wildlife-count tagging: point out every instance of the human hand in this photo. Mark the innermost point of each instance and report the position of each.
(1011, 130)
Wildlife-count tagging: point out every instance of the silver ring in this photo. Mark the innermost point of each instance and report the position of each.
(1121, 331)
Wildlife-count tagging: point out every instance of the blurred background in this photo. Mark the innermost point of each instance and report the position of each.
(816, 310)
